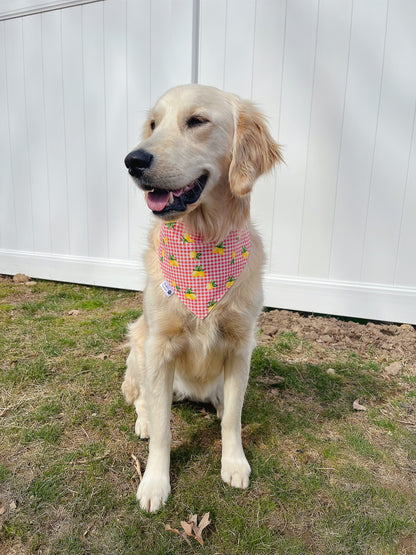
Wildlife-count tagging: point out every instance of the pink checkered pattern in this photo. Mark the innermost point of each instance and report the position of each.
(201, 273)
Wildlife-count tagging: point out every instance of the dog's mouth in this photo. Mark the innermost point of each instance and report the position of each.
(162, 201)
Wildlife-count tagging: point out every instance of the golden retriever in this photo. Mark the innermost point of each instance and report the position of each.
(201, 152)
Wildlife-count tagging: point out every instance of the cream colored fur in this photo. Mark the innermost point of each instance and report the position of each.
(173, 353)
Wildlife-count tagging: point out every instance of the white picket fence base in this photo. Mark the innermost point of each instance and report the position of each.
(359, 300)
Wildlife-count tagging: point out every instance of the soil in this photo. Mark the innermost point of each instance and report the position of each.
(384, 343)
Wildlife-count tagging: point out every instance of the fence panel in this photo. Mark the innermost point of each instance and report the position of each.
(336, 79)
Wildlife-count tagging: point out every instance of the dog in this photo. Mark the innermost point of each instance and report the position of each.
(201, 152)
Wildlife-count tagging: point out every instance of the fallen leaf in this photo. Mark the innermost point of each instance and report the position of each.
(183, 535)
(193, 519)
(356, 405)
(191, 529)
(203, 523)
(74, 312)
(206, 414)
(169, 528)
(13, 505)
(187, 527)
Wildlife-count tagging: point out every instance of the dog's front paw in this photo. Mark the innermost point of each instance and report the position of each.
(153, 492)
(235, 471)
(142, 428)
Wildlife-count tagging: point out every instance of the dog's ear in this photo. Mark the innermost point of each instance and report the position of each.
(254, 151)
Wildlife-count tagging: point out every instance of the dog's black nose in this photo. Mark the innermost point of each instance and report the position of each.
(137, 161)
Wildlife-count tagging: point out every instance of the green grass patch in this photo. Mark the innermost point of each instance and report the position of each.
(325, 479)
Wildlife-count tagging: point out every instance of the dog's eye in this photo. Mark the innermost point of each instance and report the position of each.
(195, 121)
(152, 125)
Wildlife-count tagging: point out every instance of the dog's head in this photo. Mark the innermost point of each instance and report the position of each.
(195, 139)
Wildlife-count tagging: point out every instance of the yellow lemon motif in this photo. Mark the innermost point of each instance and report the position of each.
(211, 305)
(244, 252)
(173, 261)
(211, 285)
(189, 294)
(198, 272)
(230, 282)
(195, 255)
(186, 238)
(218, 249)
(175, 286)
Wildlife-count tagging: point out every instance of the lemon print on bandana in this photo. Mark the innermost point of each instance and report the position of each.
(230, 282)
(173, 261)
(218, 249)
(189, 294)
(175, 286)
(186, 238)
(211, 285)
(211, 305)
(198, 272)
(244, 252)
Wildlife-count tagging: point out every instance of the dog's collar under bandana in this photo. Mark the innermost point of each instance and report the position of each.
(199, 272)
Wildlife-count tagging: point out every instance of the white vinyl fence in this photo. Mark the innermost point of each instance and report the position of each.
(336, 78)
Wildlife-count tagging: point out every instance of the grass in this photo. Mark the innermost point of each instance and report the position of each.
(325, 479)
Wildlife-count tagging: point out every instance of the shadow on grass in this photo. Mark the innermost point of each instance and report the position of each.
(283, 398)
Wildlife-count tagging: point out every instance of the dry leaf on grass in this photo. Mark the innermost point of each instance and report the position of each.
(191, 528)
(203, 523)
(74, 312)
(169, 528)
(356, 405)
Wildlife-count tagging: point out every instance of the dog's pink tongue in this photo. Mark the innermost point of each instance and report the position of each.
(157, 200)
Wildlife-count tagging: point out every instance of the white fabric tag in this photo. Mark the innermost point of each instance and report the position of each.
(166, 288)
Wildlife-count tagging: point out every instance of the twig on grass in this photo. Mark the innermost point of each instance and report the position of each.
(137, 466)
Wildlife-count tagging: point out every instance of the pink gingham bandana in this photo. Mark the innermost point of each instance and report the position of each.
(200, 273)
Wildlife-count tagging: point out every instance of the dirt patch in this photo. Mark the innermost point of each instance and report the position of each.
(384, 343)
